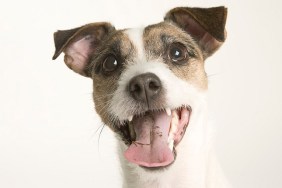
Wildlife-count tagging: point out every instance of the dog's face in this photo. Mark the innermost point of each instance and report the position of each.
(147, 81)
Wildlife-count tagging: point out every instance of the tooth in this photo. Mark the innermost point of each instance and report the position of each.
(173, 130)
(130, 118)
(168, 111)
(170, 144)
(174, 123)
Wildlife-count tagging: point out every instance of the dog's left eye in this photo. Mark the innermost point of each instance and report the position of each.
(178, 53)
(110, 64)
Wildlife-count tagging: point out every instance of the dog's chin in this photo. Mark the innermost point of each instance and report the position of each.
(153, 136)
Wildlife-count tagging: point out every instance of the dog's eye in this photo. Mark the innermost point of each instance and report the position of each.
(110, 64)
(178, 53)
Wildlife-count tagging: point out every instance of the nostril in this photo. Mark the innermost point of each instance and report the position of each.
(153, 85)
(135, 88)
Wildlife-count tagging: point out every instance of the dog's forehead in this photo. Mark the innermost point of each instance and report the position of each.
(148, 42)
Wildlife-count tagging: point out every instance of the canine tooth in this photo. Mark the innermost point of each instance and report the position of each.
(170, 144)
(173, 126)
(130, 118)
(168, 111)
(174, 122)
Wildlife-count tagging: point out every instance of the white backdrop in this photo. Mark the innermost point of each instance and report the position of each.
(48, 126)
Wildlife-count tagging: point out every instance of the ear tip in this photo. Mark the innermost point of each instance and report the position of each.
(55, 56)
(58, 43)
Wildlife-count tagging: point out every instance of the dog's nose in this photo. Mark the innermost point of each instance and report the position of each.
(145, 87)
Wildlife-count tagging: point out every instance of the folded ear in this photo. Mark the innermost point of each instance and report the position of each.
(205, 25)
(78, 44)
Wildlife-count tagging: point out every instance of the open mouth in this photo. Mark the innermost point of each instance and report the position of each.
(153, 136)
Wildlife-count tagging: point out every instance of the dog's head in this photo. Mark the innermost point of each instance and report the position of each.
(147, 81)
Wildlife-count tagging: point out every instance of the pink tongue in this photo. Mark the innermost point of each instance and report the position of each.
(151, 148)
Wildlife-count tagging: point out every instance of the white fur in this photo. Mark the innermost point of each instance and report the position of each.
(136, 36)
(195, 165)
(121, 104)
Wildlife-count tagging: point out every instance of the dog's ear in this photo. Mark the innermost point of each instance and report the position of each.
(205, 25)
(79, 43)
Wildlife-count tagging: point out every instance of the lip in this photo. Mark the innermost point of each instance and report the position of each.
(128, 136)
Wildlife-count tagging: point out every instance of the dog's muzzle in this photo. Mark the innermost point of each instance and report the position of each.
(152, 133)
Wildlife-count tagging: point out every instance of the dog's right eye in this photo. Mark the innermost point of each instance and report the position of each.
(110, 64)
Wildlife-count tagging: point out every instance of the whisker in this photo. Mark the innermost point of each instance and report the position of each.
(103, 126)
(98, 129)
(212, 75)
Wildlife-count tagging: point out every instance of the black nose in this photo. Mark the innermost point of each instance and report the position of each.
(145, 87)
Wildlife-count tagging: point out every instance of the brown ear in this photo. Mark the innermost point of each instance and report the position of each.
(205, 25)
(79, 43)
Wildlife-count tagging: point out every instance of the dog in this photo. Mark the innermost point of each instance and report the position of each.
(149, 87)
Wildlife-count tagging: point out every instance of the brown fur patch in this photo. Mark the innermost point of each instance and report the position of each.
(104, 85)
(157, 40)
